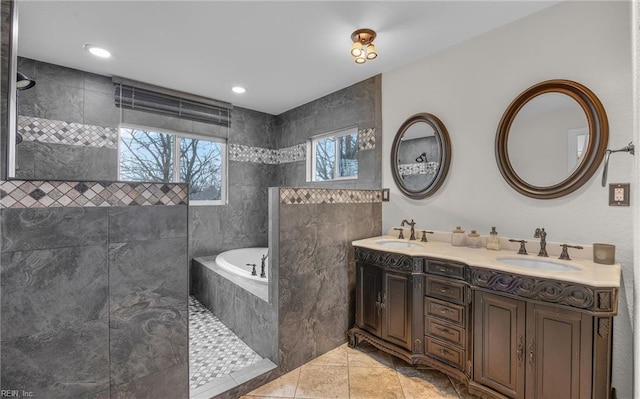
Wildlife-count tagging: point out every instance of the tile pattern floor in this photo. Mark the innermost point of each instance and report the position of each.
(214, 350)
(362, 373)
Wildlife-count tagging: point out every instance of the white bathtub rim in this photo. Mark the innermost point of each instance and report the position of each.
(222, 261)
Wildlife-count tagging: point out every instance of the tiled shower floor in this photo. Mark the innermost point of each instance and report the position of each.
(214, 350)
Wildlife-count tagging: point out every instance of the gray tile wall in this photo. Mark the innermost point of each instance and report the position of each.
(243, 221)
(95, 298)
(357, 105)
(69, 95)
(317, 275)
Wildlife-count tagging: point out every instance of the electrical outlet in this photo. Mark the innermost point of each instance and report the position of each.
(619, 194)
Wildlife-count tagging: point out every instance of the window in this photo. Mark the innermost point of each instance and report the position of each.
(146, 154)
(333, 156)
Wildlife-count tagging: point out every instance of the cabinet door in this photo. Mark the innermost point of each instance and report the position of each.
(499, 340)
(396, 327)
(558, 353)
(369, 297)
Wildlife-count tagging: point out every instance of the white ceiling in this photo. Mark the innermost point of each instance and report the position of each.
(285, 53)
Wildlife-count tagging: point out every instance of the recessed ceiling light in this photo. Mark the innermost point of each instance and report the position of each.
(238, 89)
(97, 51)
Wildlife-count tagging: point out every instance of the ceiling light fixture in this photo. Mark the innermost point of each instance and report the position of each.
(97, 51)
(238, 89)
(363, 48)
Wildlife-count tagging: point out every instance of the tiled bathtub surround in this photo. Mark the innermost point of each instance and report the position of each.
(61, 132)
(94, 301)
(328, 196)
(52, 194)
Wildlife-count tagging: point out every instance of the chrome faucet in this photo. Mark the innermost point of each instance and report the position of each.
(542, 235)
(413, 228)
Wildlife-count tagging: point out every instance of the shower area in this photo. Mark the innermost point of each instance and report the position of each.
(229, 316)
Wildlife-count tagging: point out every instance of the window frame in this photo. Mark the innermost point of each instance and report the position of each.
(311, 154)
(176, 161)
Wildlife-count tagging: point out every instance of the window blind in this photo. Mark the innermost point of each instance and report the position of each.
(144, 97)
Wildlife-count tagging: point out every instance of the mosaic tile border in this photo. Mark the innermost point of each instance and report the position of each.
(52, 194)
(366, 139)
(422, 168)
(70, 133)
(296, 153)
(305, 196)
(244, 153)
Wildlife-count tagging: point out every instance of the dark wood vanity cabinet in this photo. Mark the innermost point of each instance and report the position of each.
(504, 335)
(527, 350)
(383, 304)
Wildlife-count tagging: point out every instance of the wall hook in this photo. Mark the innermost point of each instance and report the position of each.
(630, 148)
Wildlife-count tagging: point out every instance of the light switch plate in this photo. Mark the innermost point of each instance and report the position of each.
(385, 194)
(619, 194)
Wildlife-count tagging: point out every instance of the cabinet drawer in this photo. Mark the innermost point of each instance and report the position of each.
(446, 269)
(444, 310)
(445, 289)
(444, 352)
(442, 329)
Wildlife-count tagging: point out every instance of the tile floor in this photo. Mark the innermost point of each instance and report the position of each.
(363, 373)
(214, 350)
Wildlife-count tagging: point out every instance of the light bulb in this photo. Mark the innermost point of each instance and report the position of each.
(371, 52)
(361, 60)
(356, 50)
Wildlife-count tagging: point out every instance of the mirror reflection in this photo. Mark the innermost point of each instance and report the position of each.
(548, 139)
(420, 156)
(551, 139)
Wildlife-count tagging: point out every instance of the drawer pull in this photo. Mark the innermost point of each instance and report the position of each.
(444, 352)
(446, 290)
(444, 311)
(444, 330)
(443, 269)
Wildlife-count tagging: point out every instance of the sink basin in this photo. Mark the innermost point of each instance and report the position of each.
(539, 264)
(398, 244)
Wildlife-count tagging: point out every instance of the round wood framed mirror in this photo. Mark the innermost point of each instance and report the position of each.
(551, 139)
(420, 156)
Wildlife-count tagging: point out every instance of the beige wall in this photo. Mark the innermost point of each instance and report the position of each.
(470, 85)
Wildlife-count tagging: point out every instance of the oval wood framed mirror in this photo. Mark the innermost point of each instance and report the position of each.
(551, 139)
(420, 156)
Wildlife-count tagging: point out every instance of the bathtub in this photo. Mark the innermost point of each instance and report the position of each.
(235, 261)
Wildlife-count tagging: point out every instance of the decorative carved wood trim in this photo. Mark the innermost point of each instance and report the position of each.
(417, 345)
(563, 293)
(387, 260)
(418, 265)
(417, 282)
(603, 328)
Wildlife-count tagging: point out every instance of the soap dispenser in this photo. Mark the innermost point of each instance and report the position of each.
(493, 242)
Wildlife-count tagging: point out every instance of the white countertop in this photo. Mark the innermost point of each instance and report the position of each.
(589, 273)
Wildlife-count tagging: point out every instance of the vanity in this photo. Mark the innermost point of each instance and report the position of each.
(507, 325)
